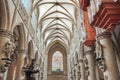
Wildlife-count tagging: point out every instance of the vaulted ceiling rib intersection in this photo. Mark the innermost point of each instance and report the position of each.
(56, 19)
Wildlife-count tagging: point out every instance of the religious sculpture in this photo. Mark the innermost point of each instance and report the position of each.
(99, 56)
(8, 50)
(30, 70)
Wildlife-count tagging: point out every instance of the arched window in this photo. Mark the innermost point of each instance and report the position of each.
(57, 61)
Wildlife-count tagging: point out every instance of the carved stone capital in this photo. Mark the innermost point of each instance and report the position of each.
(104, 35)
(20, 50)
(6, 33)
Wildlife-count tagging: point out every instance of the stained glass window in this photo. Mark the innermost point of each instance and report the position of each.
(57, 61)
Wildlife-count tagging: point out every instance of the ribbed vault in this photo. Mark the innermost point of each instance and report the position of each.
(56, 19)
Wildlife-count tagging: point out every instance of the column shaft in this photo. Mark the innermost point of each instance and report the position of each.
(81, 56)
(111, 72)
(11, 71)
(20, 63)
(91, 63)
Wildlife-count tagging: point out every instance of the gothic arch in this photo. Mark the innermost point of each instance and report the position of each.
(52, 50)
(19, 33)
(57, 41)
(19, 39)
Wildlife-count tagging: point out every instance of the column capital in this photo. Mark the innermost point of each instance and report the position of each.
(20, 50)
(104, 35)
(8, 34)
(5, 33)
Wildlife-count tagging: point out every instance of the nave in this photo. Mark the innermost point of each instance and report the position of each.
(59, 39)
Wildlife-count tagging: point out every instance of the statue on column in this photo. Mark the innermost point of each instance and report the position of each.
(100, 57)
(8, 50)
(31, 70)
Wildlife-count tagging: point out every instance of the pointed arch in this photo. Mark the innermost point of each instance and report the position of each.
(19, 28)
(57, 47)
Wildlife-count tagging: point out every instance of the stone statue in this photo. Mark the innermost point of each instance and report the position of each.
(8, 50)
(100, 57)
(30, 70)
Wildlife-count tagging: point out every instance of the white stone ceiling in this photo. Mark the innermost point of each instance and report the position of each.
(56, 19)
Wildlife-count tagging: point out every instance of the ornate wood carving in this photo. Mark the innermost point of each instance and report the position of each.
(107, 16)
(90, 31)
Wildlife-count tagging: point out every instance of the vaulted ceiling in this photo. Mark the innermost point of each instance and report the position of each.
(56, 19)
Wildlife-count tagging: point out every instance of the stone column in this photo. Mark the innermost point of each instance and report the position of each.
(90, 61)
(82, 72)
(109, 62)
(11, 71)
(6, 49)
(20, 64)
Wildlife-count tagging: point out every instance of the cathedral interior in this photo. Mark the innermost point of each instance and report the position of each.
(59, 39)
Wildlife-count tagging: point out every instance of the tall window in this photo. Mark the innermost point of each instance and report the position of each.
(57, 61)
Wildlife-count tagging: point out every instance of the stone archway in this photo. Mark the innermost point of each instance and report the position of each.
(53, 75)
(19, 53)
